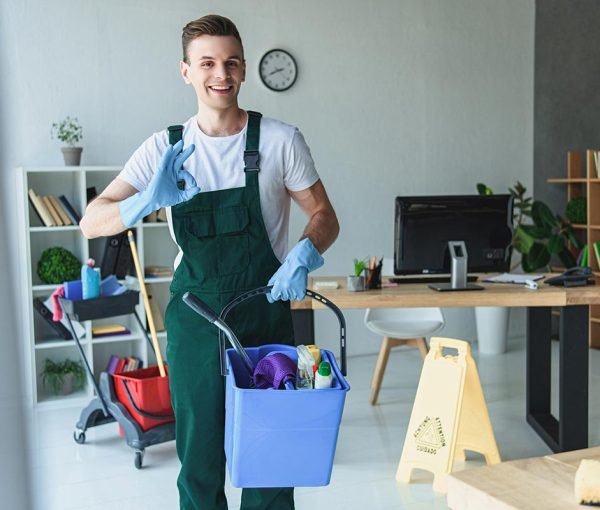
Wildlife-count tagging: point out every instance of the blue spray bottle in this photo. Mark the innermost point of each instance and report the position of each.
(90, 280)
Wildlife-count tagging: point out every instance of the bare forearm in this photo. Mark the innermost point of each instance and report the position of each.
(102, 218)
(322, 229)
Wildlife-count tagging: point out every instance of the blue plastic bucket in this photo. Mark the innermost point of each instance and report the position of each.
(280, 438)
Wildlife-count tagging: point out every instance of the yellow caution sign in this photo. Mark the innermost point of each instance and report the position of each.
(448, 417)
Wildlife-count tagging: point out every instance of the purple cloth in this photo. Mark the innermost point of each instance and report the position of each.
(274, 370)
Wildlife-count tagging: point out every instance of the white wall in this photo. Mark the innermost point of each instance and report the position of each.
(394, 97)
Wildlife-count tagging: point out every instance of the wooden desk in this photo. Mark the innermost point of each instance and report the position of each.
(570, 430)
(540, 482)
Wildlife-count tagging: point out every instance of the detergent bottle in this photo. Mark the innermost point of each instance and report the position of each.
(90, 280)
(323, 377)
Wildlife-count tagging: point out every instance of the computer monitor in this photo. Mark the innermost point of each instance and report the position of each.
(425, 224)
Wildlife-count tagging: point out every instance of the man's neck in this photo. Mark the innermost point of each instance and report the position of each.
(221, 122)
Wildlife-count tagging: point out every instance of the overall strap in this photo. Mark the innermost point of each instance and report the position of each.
(251, 155)
(175, 133)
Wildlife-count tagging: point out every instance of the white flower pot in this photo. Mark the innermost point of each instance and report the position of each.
(492, 328)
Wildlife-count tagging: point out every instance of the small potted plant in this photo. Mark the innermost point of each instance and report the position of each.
(69, 131)
(356, 281)
(61, 378)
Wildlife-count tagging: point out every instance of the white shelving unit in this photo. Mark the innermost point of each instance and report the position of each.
(155, 247)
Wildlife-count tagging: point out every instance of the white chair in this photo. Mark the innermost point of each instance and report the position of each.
(400, 326)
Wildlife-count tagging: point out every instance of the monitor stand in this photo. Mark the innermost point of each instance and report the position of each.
(458, 273)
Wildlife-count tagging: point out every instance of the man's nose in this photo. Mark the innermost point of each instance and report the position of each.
(221, 71)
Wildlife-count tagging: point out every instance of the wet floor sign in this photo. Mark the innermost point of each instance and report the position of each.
(449, 415)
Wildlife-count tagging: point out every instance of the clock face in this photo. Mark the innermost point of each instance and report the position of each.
(278, 70)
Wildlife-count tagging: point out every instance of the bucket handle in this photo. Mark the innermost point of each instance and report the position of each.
(266, 289)
(142, 412)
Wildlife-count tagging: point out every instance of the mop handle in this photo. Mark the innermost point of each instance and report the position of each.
(140, 276)
(201, 308)
(314, 295)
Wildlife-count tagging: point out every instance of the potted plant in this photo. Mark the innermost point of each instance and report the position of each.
(69, 131)
(539, 234)
(356, 281)
(58, 265)
(61, 378)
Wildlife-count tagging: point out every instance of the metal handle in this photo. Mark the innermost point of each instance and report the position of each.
(314, 295)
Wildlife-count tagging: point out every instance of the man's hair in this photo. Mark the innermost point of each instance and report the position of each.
(211, 24)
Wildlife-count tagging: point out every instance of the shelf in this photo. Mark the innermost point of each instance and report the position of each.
(54, 229)
(158, 279)
(109, 339)
(155, 224)
(52, 344)
(567, 180)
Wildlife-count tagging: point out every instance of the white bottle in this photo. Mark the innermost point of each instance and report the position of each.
(323, 377)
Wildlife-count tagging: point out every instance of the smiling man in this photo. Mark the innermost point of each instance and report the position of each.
(227, 185)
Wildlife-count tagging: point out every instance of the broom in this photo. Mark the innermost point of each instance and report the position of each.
(140, 276)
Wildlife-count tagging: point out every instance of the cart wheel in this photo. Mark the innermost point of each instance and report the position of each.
(139, 459)
(79, 436)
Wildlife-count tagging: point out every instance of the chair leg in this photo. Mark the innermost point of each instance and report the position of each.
(419, 343)
(382, 359)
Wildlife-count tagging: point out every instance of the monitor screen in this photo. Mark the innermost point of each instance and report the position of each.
(424, 225)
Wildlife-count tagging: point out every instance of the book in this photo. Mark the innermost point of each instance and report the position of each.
(596, 246)
(158, 271)
(59, 209)
(513, 278)
(90, 193)
(125, 258)
(46, 313)
(111, 366)
(53, 213)
(40, 209)
(70, 210)
(584, 256)
(161, 214)
(109, 329)
(120, 365)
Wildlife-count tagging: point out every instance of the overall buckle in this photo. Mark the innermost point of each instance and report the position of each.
(251, 160)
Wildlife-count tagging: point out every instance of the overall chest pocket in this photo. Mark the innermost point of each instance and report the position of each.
(218, 240)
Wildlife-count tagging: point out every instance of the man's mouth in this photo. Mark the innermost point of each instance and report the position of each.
(220, 88)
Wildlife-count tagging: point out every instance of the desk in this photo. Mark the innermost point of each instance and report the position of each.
(540, 482)
(570, 430)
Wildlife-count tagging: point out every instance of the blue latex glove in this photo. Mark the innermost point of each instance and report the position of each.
(162, 191)
(290, 280)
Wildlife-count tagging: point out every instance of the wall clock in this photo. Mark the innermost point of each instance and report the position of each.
(278, 70)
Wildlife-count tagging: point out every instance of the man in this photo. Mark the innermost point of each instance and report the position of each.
(228, 212)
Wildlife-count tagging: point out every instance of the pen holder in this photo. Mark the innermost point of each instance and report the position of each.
(373, 278)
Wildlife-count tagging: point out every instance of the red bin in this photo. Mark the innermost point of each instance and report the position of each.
(146, 396)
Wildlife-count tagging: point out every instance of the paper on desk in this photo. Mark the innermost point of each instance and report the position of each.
(513, 278)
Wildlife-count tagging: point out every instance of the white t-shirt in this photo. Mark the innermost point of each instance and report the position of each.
(218, 163)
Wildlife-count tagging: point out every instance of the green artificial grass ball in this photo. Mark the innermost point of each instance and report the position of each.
(576, 211)
(58, 265)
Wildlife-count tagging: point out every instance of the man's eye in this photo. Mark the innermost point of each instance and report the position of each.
(206, 64)
(233, 63)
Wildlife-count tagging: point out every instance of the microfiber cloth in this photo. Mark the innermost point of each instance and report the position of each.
(57, 311)
(274, 370)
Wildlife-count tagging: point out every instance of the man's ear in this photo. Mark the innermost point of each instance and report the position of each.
(244, 70)
(184, 69)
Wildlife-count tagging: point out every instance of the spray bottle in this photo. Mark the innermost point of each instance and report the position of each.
(323, 377)
(90, 280)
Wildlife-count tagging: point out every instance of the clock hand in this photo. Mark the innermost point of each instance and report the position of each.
(278, 70)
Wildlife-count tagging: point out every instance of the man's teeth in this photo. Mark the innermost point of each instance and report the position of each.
(217, 87)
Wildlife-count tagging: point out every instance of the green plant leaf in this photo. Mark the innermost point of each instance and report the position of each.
(536, 232)
(537, 257)
(556, 244)
(522, 241)
(542, 216)
(483, 189)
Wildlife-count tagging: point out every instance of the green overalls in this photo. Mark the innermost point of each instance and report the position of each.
(226, 251)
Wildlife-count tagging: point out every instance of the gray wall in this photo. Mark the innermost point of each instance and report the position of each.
(567, 98)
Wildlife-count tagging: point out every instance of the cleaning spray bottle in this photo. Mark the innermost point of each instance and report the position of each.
(323, 377)
(90, 280)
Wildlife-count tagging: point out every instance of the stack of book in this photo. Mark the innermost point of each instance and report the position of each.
(52, 211)
(117, 364)
(109, 330)
(585, 257)
(156, 271)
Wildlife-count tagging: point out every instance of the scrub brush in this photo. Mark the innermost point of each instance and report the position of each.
(587, 483)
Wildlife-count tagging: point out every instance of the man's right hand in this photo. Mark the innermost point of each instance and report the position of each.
(162, 191)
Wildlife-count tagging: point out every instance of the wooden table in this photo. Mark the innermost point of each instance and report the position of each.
(538, 483)
(570, 430)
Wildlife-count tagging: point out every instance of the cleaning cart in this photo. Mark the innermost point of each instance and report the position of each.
(274, 438)
(138, 400)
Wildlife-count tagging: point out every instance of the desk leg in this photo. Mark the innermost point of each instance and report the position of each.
(570, 431)
(304, 326)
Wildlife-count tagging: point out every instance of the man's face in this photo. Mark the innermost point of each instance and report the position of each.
(216, 70)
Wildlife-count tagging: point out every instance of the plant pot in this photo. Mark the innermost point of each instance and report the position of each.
(68, 384)
(72, 155)
(492, 328)
(356, 283)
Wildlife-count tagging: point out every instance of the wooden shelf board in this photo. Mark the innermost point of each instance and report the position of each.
(54, 229)
(567, 180)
